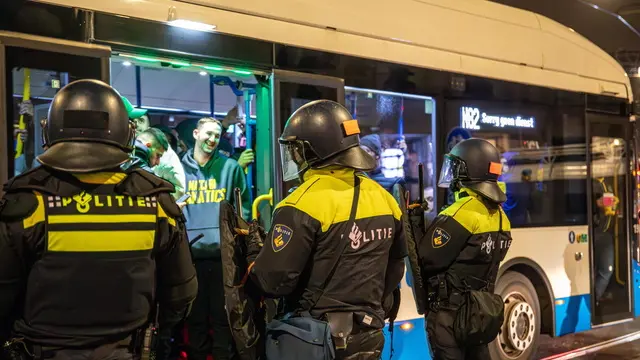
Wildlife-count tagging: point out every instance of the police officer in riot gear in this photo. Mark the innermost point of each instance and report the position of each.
(88, 252)
(463, 247)
(327, 254)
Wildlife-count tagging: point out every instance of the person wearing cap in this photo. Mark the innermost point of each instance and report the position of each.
(138, 116)
(462, 250)
(336, 248)
(169, 167)
(373, 146)
(88, 252)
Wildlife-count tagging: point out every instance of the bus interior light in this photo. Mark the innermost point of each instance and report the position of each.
(371, 92)
(141, 58)
(179, 63)
(213, 68)
(242, 72)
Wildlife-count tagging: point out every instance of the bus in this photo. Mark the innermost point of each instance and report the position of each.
(419, 76)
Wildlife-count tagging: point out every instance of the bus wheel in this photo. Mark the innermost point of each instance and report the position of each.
(520, 331)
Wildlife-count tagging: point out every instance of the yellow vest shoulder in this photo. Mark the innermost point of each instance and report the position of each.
(392, 202)
(316, 197)
(471, 213)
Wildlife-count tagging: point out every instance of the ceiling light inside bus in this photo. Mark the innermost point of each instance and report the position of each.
(179, 63)
(203, 73)
(214, 68)
(126, 63)
(141, 58)
(242, 72)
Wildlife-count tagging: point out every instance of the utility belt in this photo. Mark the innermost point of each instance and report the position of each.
(443, 290)
(141, 343)
(478, 315)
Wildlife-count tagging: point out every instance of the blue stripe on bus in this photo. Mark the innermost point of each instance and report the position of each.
(573, 314)
(636, 288)
(409, 343)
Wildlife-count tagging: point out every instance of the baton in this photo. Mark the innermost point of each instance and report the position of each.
(238, 200)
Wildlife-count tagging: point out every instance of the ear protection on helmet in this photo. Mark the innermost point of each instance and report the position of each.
(131, 139)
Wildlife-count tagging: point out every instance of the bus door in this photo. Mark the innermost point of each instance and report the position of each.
(609, 139)
(32, 71)
(635, 221)
(291, 90)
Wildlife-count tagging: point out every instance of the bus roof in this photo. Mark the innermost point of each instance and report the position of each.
(472, 37)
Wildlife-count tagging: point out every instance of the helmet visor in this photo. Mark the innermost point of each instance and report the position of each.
(292, 160)
(450, 170)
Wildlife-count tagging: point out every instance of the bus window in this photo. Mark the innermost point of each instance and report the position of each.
(397, 130)
(543, 156)
(33, 91)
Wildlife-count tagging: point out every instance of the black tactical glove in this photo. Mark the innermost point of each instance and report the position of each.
(254, 241)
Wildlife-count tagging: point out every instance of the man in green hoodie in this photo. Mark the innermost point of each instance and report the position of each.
(211, 177)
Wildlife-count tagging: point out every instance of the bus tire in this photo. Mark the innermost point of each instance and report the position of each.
(520, 331)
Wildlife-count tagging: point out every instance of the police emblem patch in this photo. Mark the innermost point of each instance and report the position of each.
(439, 238)
(280, 237)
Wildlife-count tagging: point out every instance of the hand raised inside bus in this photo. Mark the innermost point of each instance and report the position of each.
(246, 158)
(231, 118)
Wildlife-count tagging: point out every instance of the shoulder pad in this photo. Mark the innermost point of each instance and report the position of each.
(17, 206)
(466, 212)
(143, 183)
(169, 205)
(26, 180)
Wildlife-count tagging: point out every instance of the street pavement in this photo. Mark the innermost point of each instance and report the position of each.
(550, 346)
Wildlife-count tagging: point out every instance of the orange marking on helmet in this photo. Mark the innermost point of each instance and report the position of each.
(495, 168)
(351, 127)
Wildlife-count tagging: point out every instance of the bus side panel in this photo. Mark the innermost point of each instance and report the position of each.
(409, 334)
(573, 314)
(636, 288)
(554, 249)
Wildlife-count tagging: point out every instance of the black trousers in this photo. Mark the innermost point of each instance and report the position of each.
(115, 354)
(116, 351)
(365, 345)
(208, 315)
(442, 340)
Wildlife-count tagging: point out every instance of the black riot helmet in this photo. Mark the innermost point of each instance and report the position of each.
(320, 134)
(87, 130)
(474, 164)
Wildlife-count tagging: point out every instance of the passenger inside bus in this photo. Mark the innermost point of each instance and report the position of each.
(181, 102)
(150, 146)
(603, 219)
(373, 146)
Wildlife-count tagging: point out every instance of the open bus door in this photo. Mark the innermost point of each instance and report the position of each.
(291, 90)
(635, 234)
(32, 70)
(609, 183)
